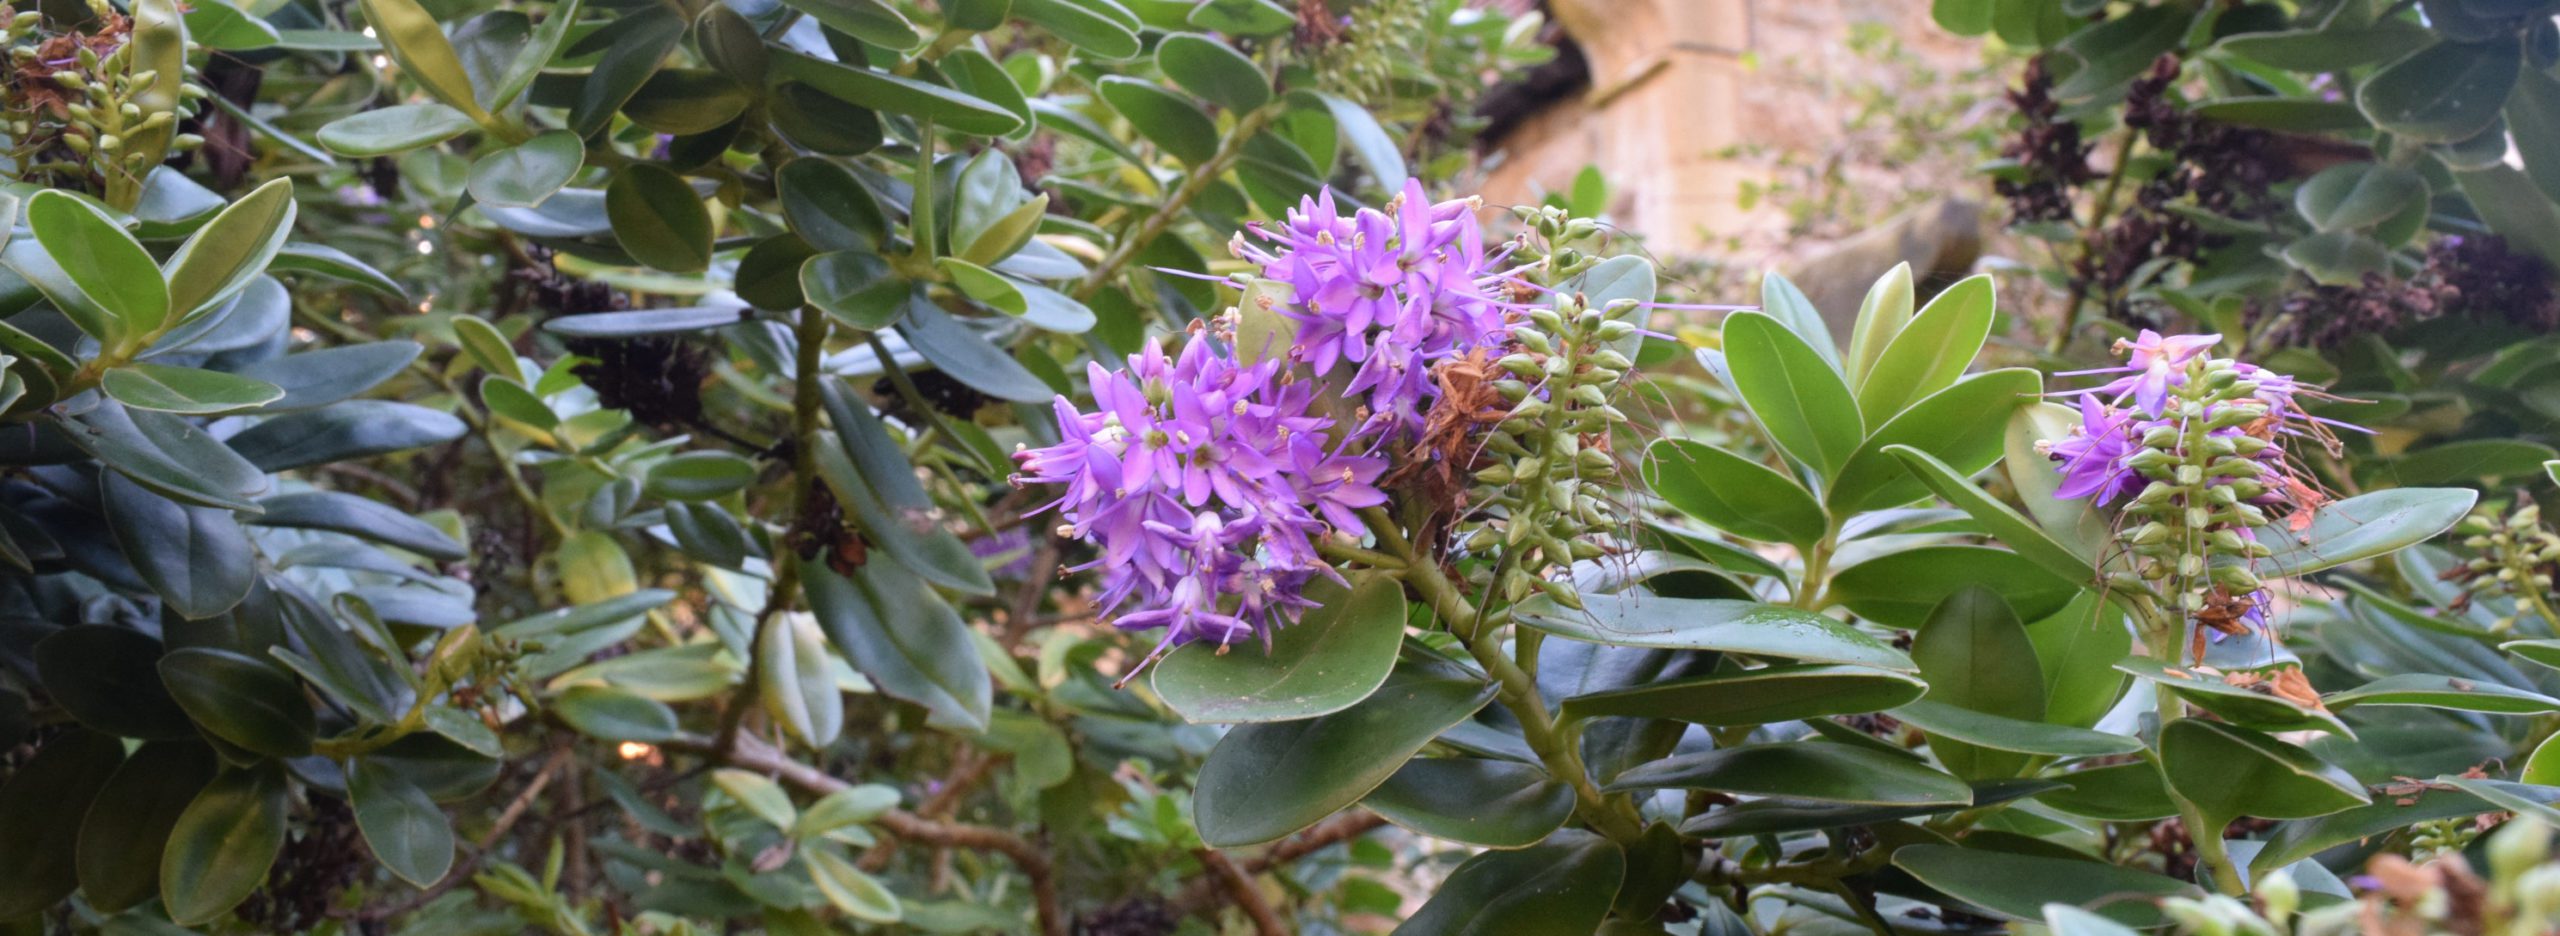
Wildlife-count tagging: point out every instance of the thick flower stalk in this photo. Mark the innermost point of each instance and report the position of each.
(1205, 483)
(2198, 449)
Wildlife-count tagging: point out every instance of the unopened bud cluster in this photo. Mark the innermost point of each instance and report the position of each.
(113, 117)
(2512, 556)
(1553, 471)
(2188, 526)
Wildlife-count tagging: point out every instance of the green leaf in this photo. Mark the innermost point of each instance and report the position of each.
(2238, 704)
(359, 517)
(635, 44)
(196, 558)
(524, 175)
(856, 286)
(2542, 767)
(658, 219)
(1212, 70)
(1976, 656)
(2295, 841)
(240, 699)
(1090, 32)
(983, 286)
(975, 73)
(1928, 354)
(1820, 771)
(411, 35)
(1798, 398)
(2119, 49)
(2129, 792)
(1734, 494)
(2078, 647)
(223, 844)
(1242, 17)
(402, 826)
(1376, 149)
(828, 207)
(1768, 695)
(350, 429)
(389, 131)
(2444, 692)
(169, 455)
(1264, 781)
(124, 832)
(2002, 733)
(641, 322)
(1560, 888)
(2357, 195)
(899, 95)
(220, 259)
(2362, 527)
(1781, 299)
(976, 15)
(1881, 316)
(108, 266)
(870, 474)
(187, 390)
(486, 346)
(699, 476)
(1331, 659)
(611, 714)
(859, 895)
(897, 632)
(41, 812)
(1899, 589)
(1962, 425)
(968, 357)
(2228, 772)
(1492, 803)
(2443, 93)
(1168, 120)
(1750, 628)
(2533, 122)
(2004, 523)
(2464, 462)
(795, 682)
(2020, 886)
(335, 264)
(536, 52)
(106, 678)
(868, 20)
(1770, 815)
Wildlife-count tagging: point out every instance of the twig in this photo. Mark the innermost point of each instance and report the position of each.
(1201, 896)
(1240, 887)
(1194, 182)
(752, 753)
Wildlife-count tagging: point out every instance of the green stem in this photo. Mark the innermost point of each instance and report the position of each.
(1195, 181)
(2207, 836)
(920, 220)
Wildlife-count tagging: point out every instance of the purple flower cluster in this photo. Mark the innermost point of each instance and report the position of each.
(2096, 458)
(1202, 479)
(1387, 292)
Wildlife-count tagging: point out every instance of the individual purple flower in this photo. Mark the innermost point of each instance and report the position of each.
(2093, 456)
(1205, 484)
(1388, 293)
(2154, 364)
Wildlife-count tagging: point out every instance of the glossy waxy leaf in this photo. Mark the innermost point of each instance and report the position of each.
(1168, 120)
(106, 264)
(795, 681)
(2243, 698)
(1900, 588)
(1775, 814)
(2228, 771)
(828, 207)
(641, 322)
(968, 357)
(897, 632)
(1962, 426)
(2444, 92)
(400, 823)
(858, 894)
(1927, 354)
(659, 219)
(614, 714)
(221, 258)
(1336, 655)
(1753, 697)
(2019, 886)
(41, 808)
(386, 131)
(899, 95)
(105, 677)
(1267, 780)
(1803, 770)
(1732, 493)
(418, 43)
(2295, 841)
(359, 517)
(871, 21)
(123, 834)
(187, 391)
(327, 375)
(2444, 692)
(2002, 733)
(171, 456)
(1213, 70)
(241, 699)
(224, 843)
(1745, 627)
(351, 429)
(1493, 803)
(2362, 527)
(197, 558)
(2131, 792)
(2002, 521)
(523, 175)
(1081, 26)
(1562, 887)
(1800, 400)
